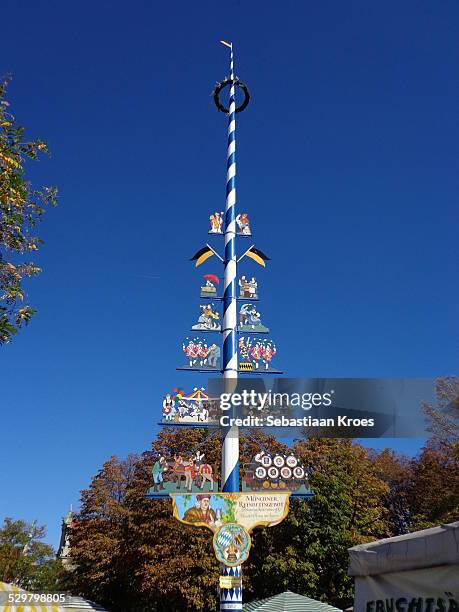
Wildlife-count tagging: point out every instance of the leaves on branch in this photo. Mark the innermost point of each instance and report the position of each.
(21, 208)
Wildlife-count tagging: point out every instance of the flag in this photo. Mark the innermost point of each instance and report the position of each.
(201, 256)
(257, 256)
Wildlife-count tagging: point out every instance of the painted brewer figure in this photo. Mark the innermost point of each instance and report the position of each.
(159, 467)
(202, 512)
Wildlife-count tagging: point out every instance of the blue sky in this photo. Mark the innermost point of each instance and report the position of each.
(347, 166)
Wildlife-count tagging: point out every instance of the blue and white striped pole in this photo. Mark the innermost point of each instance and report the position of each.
(230, 599)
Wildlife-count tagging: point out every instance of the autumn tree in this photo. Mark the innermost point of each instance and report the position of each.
(129, 551)
(21, 208)
(443, 418)
(396, 471)
(307, 552)
(24, 559)
(433, 495)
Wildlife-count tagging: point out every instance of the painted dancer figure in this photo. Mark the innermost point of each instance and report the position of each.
(190, 474)
(191, 350)
(206, 471)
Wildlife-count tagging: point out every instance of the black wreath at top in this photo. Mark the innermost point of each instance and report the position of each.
(221, 86)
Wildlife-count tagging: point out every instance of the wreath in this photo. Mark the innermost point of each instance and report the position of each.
(219, 88)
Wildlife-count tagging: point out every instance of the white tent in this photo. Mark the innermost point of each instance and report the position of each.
(288, 602)
(418, 571)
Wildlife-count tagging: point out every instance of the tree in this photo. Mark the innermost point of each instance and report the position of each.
(433, 495)
(307, 552)
(21, 208)
(129, 551)
(24, 559)
(443, 419)
(397, 472)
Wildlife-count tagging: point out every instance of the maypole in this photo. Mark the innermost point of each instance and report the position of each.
(230, 599)
(186, 475)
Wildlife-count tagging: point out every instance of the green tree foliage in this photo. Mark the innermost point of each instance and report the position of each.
(24, 559)
(21, 208)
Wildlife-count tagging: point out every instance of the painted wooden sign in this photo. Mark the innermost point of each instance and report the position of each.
(201, 355)
(248, 288)
(194, 408)
(243, 225)
(209, 289)
(209, 319)
(277, 473)
(216, 223)
(256, 354)
(189, 472)
(231, 517)
(250, 319)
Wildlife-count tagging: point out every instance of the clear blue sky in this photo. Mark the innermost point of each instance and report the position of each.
(347, 162)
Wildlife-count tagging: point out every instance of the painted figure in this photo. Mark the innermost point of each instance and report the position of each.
(256, 351)
(190, 474)
(210, 289)
(216, 223)
(200, 355)
(214, 356)
(250, 319)
(209, 319)
(202, 512)
(168, 407)
(248, 288)
(243, 224)
(191, 351)
(159, 467)
(206, 471)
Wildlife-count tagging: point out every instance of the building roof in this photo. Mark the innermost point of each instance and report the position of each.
(288, 602)
(420, 549)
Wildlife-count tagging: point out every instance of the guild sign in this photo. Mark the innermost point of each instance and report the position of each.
(201, 355)
(216, 223)
(195, 408)
(209, 290)
(191, 470)
(248, 288)
(212, 510)
(243, 225)
(255, 354)
(250, 320)
(209, 319)
(276, 472)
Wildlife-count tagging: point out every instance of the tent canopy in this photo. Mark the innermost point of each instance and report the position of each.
(420, 549)
(288, 602)
(77, 604)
